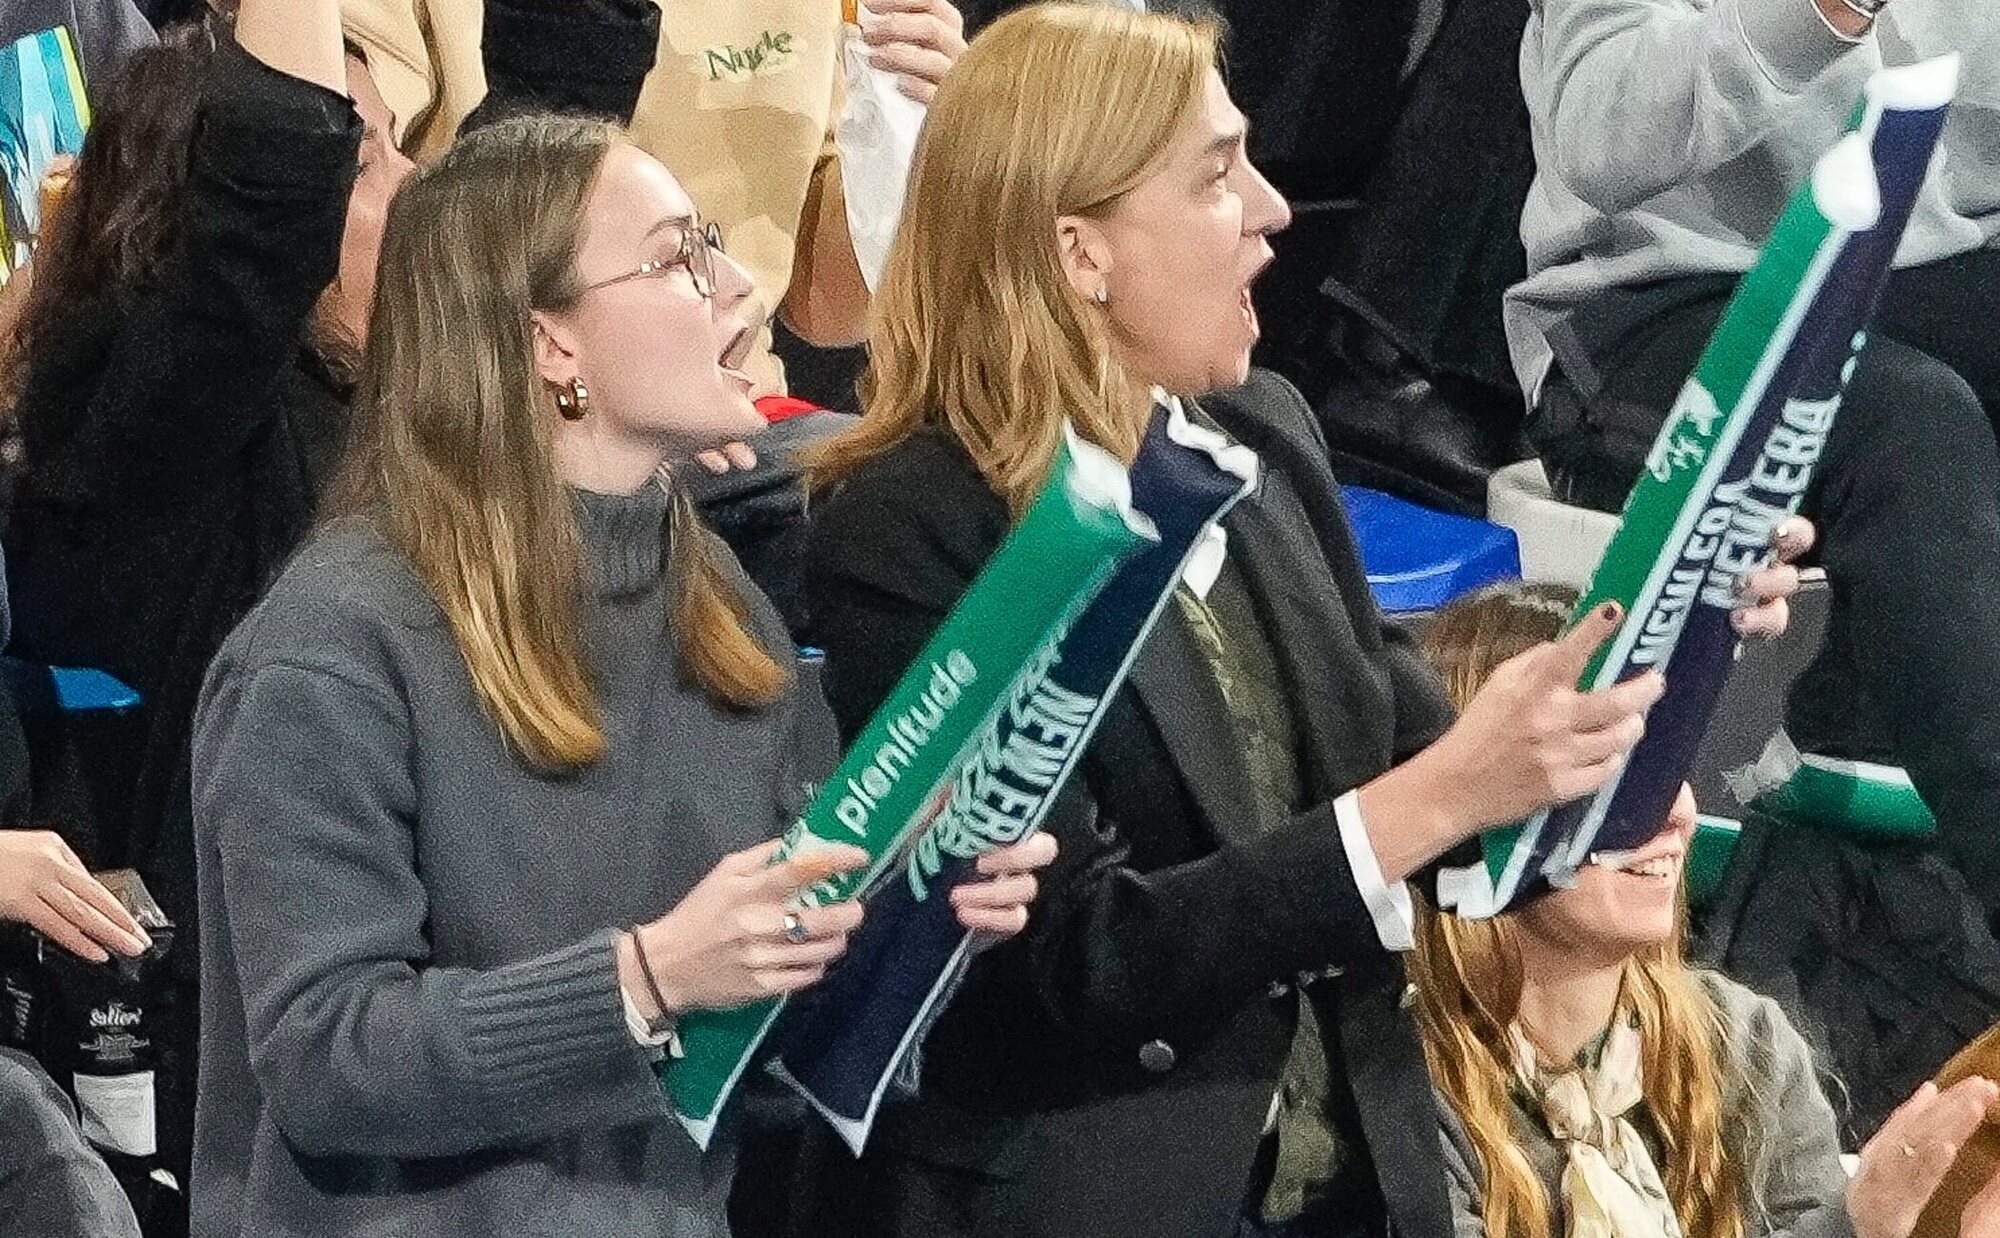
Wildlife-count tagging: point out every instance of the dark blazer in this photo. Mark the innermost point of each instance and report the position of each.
(1110, 1072)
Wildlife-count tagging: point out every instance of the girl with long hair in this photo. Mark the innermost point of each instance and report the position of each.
(1166, 1051)
(1592, 1084)
(483, 786)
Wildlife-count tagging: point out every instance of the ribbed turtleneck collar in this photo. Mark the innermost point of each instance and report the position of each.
(624, 538)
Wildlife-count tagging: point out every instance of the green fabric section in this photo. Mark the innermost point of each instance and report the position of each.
(1245, 665)
(1866, 802)
(1002, 632)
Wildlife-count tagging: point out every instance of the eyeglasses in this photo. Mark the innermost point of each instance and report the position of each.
(697, 251)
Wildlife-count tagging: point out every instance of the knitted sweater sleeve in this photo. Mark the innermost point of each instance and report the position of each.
(360, 1045)
(1635, 97)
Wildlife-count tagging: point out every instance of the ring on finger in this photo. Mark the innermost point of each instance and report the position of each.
(795, 929)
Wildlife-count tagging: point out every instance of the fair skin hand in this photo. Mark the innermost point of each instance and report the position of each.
(44, 885)
(1844, 19)
(1903, 1164)
(917, 40)
(1169, 267)
(660, 356)
(725, 944)
(827, 304)
(729, 456)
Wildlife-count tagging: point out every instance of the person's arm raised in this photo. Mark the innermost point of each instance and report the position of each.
(1637, 97)
(190, 377)
(300, 38)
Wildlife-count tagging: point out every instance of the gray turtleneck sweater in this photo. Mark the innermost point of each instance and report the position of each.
(411, 1021)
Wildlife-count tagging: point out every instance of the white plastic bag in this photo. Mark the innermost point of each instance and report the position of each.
(877, 139)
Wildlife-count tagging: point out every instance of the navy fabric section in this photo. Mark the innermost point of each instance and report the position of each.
(841, 1039)
(1815, 369)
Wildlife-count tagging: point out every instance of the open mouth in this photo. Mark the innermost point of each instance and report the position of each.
(736, 355)
(1244, 304)
(736, 352)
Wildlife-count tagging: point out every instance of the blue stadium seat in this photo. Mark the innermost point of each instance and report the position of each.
(82, 690)
(1418, 559)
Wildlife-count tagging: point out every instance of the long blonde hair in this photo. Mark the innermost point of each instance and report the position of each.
(452, 452)
(1468, 980)
(1056, 110)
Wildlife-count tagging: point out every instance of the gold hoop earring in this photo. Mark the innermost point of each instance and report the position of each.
(573, 404)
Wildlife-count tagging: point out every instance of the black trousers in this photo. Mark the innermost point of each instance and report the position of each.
(1907, 501)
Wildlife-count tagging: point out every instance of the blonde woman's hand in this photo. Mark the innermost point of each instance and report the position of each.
(998, 906)
(44, 885)
(1527, 740)
(1903, 1164)
(736, 938)
(917, 40)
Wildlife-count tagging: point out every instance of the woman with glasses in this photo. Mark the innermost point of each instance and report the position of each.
(484, 786)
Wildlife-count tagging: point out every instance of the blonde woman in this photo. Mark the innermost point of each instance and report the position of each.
(1079, 239)
(509, 701)
(1591, 1084)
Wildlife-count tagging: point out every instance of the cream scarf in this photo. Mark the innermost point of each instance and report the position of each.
(1610, 1186)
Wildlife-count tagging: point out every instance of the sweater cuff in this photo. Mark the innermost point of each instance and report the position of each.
(1790, 39)
(265, 128)
(570, 57)
(536, 1027)
(1303, 866)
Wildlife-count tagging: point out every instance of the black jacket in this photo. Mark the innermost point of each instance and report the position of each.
(178, 435)
(1110, 1072)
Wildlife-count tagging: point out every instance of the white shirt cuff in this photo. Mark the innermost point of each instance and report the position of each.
(1394, 915)
(642, 1035)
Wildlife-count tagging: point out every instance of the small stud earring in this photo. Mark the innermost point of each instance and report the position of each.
(1104, 294)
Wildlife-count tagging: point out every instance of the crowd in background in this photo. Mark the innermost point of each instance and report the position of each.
(443, 415)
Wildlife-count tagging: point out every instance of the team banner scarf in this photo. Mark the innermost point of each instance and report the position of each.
(844, 1042)
(43, 113)
(891, 782)
(1733, 459)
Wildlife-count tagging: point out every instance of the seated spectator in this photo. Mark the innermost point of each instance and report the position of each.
(1162, 1052)
(52, 1184)
(185, 354)
(1669, 134)
(1590, 1083)
(509, 699)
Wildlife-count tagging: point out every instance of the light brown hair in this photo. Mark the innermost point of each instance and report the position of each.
(452, 452)
(1468, 980)
(1056, 110)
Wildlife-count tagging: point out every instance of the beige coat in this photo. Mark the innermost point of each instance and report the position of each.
(740, 106)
